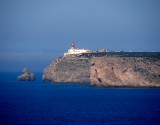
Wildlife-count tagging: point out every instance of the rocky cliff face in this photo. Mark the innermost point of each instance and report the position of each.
(70, 69)
(121, 69)
(125, 71)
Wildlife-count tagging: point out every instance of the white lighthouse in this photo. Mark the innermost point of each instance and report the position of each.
(76, 51)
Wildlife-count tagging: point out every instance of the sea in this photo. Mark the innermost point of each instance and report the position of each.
(43, 103)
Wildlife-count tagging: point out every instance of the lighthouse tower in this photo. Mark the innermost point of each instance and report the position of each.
(72, 46)
(74, 50)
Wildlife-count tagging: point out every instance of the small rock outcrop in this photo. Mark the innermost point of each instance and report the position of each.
(26, 76)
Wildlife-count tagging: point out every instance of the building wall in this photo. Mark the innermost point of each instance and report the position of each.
(76, 51)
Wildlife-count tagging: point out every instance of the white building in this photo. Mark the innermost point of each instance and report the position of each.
(77, 51)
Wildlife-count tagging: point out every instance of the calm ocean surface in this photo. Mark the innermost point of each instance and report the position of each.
(42, 103)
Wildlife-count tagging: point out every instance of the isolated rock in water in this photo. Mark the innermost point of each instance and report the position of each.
(26, 76)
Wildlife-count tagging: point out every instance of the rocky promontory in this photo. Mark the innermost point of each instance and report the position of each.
(69, 69)
(106, 69)
(26, 76)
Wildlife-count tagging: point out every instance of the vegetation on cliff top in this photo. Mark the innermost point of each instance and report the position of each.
(122, 54)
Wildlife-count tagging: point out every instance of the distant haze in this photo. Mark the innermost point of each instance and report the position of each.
(35, 32)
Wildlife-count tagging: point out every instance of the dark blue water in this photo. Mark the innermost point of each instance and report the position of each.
(41, 103)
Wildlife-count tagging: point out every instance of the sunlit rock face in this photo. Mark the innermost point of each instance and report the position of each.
(26, 76)
(125, 71)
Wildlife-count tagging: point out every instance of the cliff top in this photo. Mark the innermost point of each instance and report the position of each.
(119, 54)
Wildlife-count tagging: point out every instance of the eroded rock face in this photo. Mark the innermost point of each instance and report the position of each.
(26, 76)
(125, 71)
(69, 69)
(110, 69)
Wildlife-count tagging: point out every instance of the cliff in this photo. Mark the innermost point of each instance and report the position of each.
(106, 69)
(125, 72)
(69, 69)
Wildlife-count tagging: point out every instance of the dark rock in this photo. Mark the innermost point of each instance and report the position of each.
(26, 76)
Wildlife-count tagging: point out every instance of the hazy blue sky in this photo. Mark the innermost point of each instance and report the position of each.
(35, 32)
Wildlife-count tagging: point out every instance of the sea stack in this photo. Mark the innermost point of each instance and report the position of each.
(26, 76)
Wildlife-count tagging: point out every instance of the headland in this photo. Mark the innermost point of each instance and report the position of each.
(106, 69)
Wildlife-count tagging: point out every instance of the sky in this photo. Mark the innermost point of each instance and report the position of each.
(33, 33)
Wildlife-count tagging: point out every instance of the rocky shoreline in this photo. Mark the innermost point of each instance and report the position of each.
(106, 69)
(125, 87)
